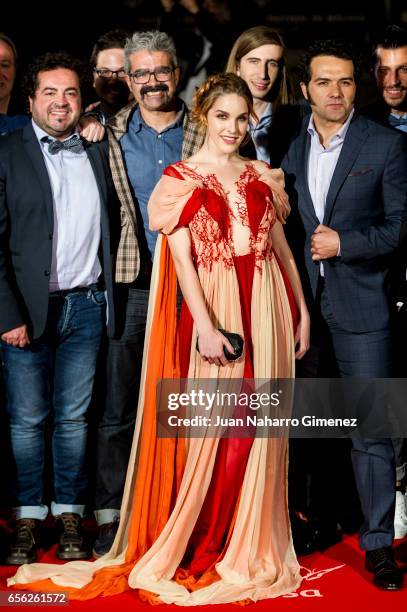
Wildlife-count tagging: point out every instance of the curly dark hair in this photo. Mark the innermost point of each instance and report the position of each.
(50, 61)
(334, 48)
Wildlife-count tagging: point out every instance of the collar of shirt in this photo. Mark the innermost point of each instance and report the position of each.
(398, 122)
(403, 116)
(40, 133)
(264, 120)
(337, 139)
(137, 121)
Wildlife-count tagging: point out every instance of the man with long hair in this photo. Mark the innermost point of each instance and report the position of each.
(259, 57)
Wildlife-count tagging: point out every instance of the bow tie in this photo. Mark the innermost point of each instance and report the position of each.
(73, 144)
(397, 121)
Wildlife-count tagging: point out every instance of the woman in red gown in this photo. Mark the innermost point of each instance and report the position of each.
(204, 519)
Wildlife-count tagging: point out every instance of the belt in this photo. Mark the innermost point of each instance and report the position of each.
(62, 293)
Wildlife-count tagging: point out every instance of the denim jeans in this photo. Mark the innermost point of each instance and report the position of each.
(54, 373)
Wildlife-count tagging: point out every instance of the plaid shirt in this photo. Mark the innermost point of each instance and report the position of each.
(128, 254)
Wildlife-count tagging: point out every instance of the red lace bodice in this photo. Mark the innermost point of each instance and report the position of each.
(214, 221)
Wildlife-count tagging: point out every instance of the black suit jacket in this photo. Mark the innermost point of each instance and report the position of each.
(26, 229)
(366, 203)
(285, 125)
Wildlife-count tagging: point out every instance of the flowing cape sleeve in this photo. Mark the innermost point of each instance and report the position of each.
(274, 178)
(168, 200)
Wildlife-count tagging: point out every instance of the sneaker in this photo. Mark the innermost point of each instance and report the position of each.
(400, 517)
(106, 536)
(24, 543)
(72, 543)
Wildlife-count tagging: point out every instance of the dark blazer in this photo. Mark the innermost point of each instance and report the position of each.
(285, 125)
(26, 229)
(380, 112)
(366, 203)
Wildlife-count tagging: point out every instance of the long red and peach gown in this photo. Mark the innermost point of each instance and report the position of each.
(204, 520)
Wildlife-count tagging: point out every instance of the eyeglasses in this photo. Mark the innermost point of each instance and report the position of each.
(107, 74)
(141, 77)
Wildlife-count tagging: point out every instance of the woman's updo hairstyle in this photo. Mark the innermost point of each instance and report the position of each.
(215, 86)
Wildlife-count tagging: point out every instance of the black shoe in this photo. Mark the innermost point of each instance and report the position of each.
(381, 563)
(104, 541)
(4, 546)
(24, 543)
(326, 534)
(72, 544)
(303, 535)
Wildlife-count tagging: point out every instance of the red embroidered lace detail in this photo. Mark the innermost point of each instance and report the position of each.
(210, 222)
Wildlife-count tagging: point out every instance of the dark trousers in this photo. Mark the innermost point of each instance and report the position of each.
(367, 355)
(399, 321)
(337, 352)
(321, 478)
(123, 369)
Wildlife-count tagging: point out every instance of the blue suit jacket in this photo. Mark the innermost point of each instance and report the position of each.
(366, 203)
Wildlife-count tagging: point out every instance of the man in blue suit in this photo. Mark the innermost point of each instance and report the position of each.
(57, 211)
(348, 181)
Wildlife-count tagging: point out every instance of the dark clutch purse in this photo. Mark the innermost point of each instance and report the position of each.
(235, 340)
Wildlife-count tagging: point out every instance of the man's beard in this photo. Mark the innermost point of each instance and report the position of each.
(402, 105)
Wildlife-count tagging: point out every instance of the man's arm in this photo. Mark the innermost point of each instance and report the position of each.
(10, 315)
(382, 238)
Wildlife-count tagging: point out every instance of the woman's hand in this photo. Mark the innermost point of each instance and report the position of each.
(302, 336)
(211, 345)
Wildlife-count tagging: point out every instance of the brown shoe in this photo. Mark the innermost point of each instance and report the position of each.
(72, 543)
(24, 543)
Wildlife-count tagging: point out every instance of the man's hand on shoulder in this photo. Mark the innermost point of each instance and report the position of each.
(91, 129)
(17, 337)
(325, 243)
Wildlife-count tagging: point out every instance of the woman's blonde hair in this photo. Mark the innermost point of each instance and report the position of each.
(252, 39)
(215, 86)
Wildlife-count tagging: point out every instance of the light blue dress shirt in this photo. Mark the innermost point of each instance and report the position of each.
(146, 154)
(260, 134)
(76, 208)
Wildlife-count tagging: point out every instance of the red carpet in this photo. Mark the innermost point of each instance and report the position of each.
(336, 582)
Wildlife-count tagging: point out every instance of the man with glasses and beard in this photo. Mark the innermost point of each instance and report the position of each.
(145, 137)
(109, 76)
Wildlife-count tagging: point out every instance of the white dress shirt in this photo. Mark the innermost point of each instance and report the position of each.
(321, 166)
